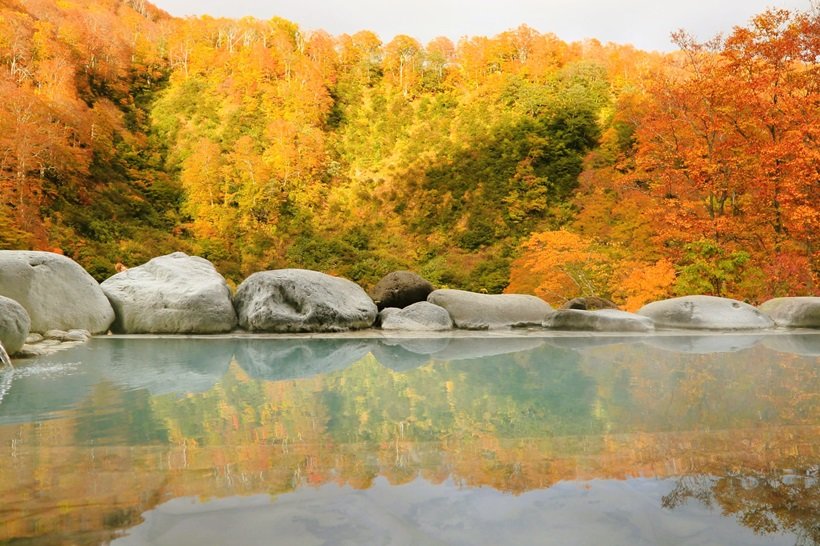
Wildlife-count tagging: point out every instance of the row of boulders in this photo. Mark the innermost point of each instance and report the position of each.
(181, 294)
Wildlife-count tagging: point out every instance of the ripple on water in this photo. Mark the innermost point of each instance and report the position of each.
(46, 369)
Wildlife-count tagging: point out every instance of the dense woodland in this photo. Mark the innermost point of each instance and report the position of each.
(517, 162)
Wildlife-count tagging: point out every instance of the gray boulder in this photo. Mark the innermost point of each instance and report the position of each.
(173, 294)
(473, 311)
(603, 320)
(400, 289)
(802, 312)
(14, 325)
(589, 303)
(298, 300)
(55, 291)
(421, 316)
(705, 313)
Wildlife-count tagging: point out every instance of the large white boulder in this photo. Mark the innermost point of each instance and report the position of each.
(603, 320)
(298, 300)
(55, 291)
(14, 325)
(801, 312)
(474, 311)
(421, 316)
(705, 313)
(173, 294)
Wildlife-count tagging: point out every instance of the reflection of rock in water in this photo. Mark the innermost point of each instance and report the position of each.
(470, 348)
(801, 344)
(164, 365)
(420, 346)
(403, 355)
(278, 359)
(704, 344)
(579, 343)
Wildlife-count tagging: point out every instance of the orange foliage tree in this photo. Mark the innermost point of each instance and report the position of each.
(560, 265)
(729, 147)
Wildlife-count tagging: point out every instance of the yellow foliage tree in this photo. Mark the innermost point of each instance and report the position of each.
(557, 266)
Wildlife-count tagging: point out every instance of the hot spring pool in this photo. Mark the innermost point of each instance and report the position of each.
(477, 439)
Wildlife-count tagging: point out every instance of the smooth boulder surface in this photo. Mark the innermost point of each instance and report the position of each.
(603, 320)
(173, 294)
(14, 325)
(474, 311)
(589, 303)
(55, 291)
(400, 289)
(421, 316)
(705, 313)
(800, 312)
(299, 300)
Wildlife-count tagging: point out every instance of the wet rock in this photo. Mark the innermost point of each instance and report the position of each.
(77, 335)
(32, 351)
(173, 294)
(604, 320)
(55, 291)
(54, 335)
(14, 325)
(298, 300)
(473, 311)
(800, 312)
(34, 338)
(400, 289)
(705, 313)
(589, 303)
(421, 316)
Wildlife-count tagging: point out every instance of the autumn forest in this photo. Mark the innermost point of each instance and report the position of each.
(516, 163)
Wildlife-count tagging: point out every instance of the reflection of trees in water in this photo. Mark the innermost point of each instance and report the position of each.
(514, 420)
(766, 502)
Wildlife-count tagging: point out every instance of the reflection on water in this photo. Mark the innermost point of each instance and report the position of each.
(420, 512)
(643, 440)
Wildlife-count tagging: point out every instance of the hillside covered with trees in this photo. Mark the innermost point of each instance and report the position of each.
(517, 162)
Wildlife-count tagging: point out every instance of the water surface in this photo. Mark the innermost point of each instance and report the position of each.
(663, 439)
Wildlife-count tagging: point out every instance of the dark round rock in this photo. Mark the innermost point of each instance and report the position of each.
(400, 289)
(590, 303)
